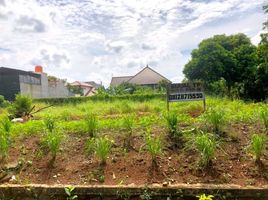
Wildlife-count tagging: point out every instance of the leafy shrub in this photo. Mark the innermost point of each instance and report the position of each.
(257, 145)
(49, 122)
(127, 123)
(3, 102)
(206, 146)
(153, 146)
(91, 124)
(216, 119)
(21, 106)
(101, 147)
(264, 117)
(52, 141)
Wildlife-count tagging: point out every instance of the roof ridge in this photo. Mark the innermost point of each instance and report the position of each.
(150, 69)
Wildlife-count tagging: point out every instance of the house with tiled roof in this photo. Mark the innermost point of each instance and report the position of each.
(146, 77)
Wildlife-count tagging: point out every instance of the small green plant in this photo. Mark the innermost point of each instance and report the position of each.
(126, 108)
(52, 141)
(153, 146)
(206, 146)
(101, 147)
(174, 133)
(127, 123)
(216, 119)
(22, 105)
(257, 146)
(91, 124)
(49, 122)
(172, 122)
(146, 194)
(205, 197)
(69, 191)
(66, 115)
(264, 116)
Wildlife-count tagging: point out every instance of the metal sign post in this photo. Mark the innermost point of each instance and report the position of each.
(185, 92)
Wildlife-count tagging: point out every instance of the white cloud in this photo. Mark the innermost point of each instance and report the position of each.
(93, 40)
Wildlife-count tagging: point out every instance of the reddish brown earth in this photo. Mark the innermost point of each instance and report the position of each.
(232, 163)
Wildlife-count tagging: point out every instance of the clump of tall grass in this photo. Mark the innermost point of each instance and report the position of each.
(206, 146)
(216, 120)
(4, 144)
(5, 129)
(127, 124)
(264, 116)
(143, 107)
(49, 123)
(126, 107)
(66, 115)
(52, 141)
(101, 147)
(5, 124)
(257, 146)
(172, 124)
(91, 124)
(153, 146)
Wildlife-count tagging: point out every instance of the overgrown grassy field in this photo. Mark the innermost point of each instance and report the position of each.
(125, 141)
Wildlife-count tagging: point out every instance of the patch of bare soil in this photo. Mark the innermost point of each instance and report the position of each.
(232, 164)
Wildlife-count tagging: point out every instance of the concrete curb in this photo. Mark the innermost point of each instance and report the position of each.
(155, 191)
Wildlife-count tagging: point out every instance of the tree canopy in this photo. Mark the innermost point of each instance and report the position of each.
(232, 63)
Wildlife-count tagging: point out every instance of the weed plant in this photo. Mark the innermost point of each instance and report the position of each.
(101, 147)
(153, 146)
(264, 117)
(52, 141)
(206, 146)
(126, 107)
(49, 122)
(91, 124)
(4, 144)
(128, 123)
(216, 119)
(174, 133)
(257, 146)
(5, 124)
(66, 115)
(5, 129)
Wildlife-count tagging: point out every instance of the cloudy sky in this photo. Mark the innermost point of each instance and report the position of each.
(97, 39)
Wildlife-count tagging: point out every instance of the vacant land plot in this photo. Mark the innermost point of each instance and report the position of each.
(133, 142)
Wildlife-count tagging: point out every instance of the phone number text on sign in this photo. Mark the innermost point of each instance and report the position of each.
(188, 96)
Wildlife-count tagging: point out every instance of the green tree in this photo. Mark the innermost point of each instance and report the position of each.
(223, 58)
(261, 81)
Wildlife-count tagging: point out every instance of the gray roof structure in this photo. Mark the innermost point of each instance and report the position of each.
(147, 76)
(119, 80)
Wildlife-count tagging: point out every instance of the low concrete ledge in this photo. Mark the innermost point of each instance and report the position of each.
(92, 192)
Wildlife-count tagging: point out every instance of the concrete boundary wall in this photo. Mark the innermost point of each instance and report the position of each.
(154, 192)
